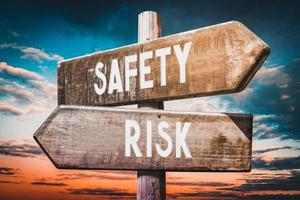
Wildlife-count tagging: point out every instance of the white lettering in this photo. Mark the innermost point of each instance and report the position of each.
(149, 138)
(162, 53)
(145, 70)
(182, 59)
(101, 76)
(164, 153)
(180, 139)
(131, 140)
(129, 72)
(115, 82)
(133, 134)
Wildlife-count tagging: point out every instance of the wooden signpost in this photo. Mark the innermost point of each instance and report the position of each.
(151, 184)
(213, 60)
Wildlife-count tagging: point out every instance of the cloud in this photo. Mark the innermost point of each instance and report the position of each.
(48, 183)
(13, 33)
(8, 171)
(43, 67)
(29, 110)
(266, 130)
(276, 163)
(13, 148)
(271, 149)
(7, 45)
(273, 196)
(22, 88)
(101, 192)
(212, 195)
(44, 87)
(19, 72)
(243, 95)
(32, 53)
(101, 175)
(290, 183)
(39, 55)
(16, 91)
(9, 182)
(11, 110)
(284, 96)
(259, 184)
(25, 92)
(199, 184)
(208, 195)
(273, 76)
(263, 174)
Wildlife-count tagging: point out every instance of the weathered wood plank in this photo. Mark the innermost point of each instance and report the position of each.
(94, 138)
(222, 59)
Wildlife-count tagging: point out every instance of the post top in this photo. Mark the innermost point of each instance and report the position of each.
(149, 27)
(148, 11)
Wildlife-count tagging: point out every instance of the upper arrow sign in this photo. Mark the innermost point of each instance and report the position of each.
(217, 59)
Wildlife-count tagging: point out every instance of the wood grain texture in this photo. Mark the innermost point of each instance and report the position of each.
(223, 58)
(151, 184)
(93, 138)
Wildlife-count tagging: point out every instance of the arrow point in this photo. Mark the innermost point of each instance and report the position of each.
(37, 139)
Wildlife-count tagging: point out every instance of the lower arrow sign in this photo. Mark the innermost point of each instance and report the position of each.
(79, 137)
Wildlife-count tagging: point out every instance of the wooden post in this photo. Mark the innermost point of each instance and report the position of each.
(150, 184)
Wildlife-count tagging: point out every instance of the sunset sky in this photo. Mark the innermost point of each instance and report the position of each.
(35, 35)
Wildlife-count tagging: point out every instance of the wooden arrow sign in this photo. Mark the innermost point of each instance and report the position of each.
(217, 59)
(110, 138)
